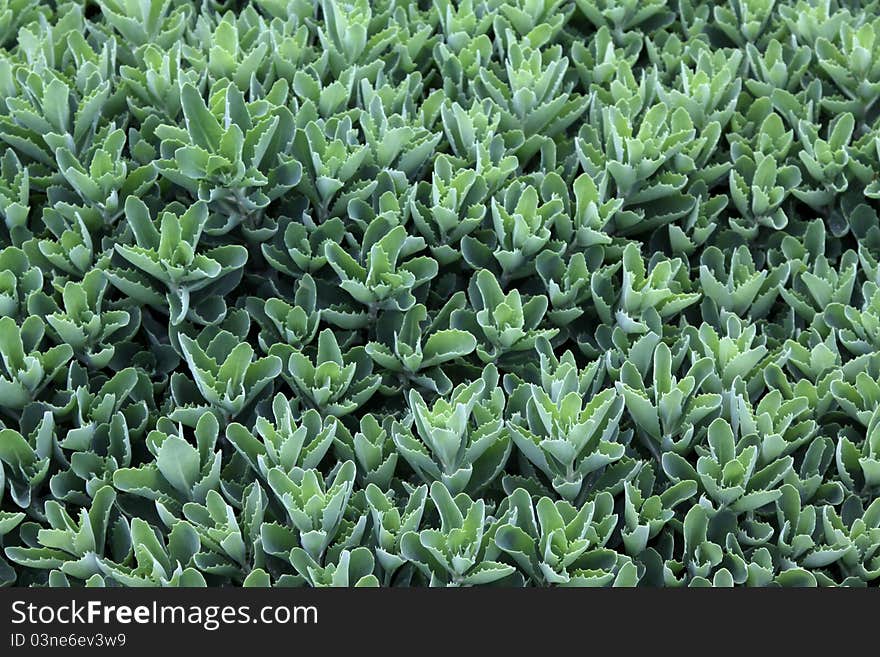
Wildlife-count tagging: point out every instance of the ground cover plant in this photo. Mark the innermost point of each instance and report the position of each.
(441, 292)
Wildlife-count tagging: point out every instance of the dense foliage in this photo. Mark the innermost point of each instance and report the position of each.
(447, 292)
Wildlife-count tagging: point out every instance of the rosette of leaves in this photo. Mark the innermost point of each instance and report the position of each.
(101, 417)
(838, 547)
(761, 126)
(812, 477)
(708, 88)
(400, 95)
(228, 539)
(571, 439)
(756, 567)
(758, 187)
(281, 323)
(154, 559)
(670, 412)
(27, 369)
(75, 546)
(396, 141)
(599, 60)
(532, 98)
(593, 212)
(25, 459)
(525, 16)
(347, 36)
(180, 471)
(736, 352)
(700, 223)
(827, 162)
(41, 113)
(14, 198)
(649, 295)
(460, 441)
(83, 321)
(503, 324)
(235, 156)
(317, 508)
(779, 65)
(475, 137)
(557, 544)
(16, 13)
(100, 178)
(813, 363)
(156, 22)
(247, 48)
(390, 523)
(333, 383)
(647, 157)
(333, 158)
(383, 208)
(801, 526)
(851, 60)
(353, 568)
(712, 556)
(68, 246)
(225, 372)
(858, 329)
(461, 552)
(18, 281)
(624, 15)
(567, 284)
(291, 442)
(858, 453)
(822, 286)
(744, 21)
(299, 248)
(371, 448)
(728, 471)
(808, 21)
(554, 373)
(700, 558)
(318, 93)
(167, 258)
(522, 225)
(448, 208)
(462, 19)
(153, 86)
(737, 286)
(387, 275)
(646, 513)
(411, 346)
(781, 426)
(856, 534)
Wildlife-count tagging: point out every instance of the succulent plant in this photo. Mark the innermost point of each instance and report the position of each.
(498, 292)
